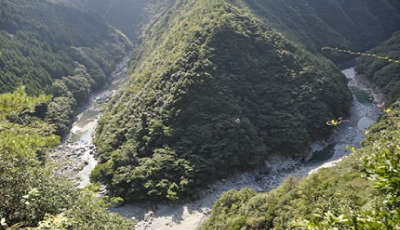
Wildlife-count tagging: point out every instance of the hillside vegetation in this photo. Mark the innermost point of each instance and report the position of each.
(386, 75)
(216, 86)
(54, 49)
(126, 15)
(356, 25)
(214, 90)
(361, 192)
(32, 196)
(49, 48)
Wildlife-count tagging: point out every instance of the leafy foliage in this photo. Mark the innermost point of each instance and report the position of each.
(337, 188)
(29, 191)
(88, 212)
(361, 192)
(356, 25)
(380, 155)
(384, 74)
(340, 197)
(42, 43)
(211, 93)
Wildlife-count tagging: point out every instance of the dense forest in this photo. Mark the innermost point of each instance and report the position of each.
(386, 75)
(361, 192)
(31, 195)
(127, 15)
(59, 51)
(352, 195)
(356, 25)
(216, 91)
(215, 87)
(53, 49)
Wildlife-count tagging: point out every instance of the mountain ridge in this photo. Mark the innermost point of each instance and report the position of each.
(220, 90)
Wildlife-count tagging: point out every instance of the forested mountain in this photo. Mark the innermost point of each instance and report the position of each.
(356, 25)
(215, 86)
(31, 195)
(386, 75)
(55, 49)
(126, 15)
(266, 86)
(214, 90)
(361, 192)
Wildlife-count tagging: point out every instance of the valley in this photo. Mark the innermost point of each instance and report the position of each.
(210, 114)
(326, 153)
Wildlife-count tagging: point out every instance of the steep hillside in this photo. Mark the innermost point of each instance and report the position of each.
(56, 49)
(356, 25)
(126, 15)
(361, 192)
(31, 194)
(385, 74)
(214, 90)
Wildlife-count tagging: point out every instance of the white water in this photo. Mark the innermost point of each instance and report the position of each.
(82, 131)
(190, 215)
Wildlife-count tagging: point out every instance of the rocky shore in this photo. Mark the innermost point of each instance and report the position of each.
(70, 158)
(190, 215)
(75, 156)
(76, 159)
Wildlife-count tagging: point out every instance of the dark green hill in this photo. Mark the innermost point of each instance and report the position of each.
(56, 49)
(356, 25)
(126, 15)
(33, 196)
(212, 92)
(352, 195)
(386, 75)
(359, 25)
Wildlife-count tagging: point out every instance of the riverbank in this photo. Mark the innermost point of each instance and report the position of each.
(326, 154)
(75, 157)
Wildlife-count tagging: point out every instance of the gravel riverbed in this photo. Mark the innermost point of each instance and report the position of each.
(76, 159)
(327, 153)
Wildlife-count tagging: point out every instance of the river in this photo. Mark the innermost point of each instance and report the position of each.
(326, 153)
(75, 157)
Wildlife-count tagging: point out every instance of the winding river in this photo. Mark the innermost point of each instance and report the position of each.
(326, 153)
(76, 154)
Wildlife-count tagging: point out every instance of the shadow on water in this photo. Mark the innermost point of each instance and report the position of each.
(362, 96)
(321, 156)
(189, 215)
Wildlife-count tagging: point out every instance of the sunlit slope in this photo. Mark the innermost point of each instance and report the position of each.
(58, 50)
(213, 90)
(360, 192)
(357, 25)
